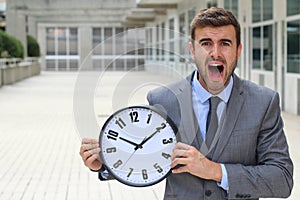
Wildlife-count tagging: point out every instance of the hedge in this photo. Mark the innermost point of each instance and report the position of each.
(33, 48)
(11, 47)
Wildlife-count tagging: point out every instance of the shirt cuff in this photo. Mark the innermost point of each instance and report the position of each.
(224, 183)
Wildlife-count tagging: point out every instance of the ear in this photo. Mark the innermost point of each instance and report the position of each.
(239, 50)
(192, 50)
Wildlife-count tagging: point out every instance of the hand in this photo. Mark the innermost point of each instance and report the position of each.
(89, 152)
(163, 125)
(192, 161)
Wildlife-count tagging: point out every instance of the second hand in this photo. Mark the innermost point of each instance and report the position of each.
(131, 156)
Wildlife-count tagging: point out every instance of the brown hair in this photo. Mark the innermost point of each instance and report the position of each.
(216, 17)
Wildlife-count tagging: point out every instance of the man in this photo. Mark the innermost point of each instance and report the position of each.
(247, 156)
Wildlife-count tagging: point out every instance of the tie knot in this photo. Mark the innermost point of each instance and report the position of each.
(214, 102)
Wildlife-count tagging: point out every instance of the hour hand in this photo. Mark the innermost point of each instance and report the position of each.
(130, 142)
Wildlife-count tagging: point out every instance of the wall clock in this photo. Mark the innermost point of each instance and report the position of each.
(136, 145)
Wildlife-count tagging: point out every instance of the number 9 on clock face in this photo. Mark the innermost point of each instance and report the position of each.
(136, 145)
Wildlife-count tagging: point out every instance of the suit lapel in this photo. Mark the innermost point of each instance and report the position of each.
(189, 126)
(234, 107)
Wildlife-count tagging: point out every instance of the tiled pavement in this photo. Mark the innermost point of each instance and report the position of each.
(39, 143)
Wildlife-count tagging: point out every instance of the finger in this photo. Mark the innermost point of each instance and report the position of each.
(89, 141)
(88, 147)
(91, 159)
(87, 154)
(178, 153)
(181, 145)
(181, 169)
(179, 161)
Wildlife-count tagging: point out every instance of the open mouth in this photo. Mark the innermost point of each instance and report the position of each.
(216, 69)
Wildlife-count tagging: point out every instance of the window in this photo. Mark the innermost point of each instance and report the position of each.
(182, 42)
(293, 46)
(73, 35)
(171, 39)
(256, 42)
(62, 48)
(50, 40)
(262, 10)
(97, 39)
(293, 7)
(232, 5)
(191, 15)
(163, 41)
(108, 43)
(262, 47)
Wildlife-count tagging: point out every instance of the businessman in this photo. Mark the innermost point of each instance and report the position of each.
(231, 139)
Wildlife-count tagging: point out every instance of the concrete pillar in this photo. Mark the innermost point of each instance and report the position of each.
(16, 26)
(86, 46)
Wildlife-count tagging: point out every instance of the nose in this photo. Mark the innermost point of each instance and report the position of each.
(215, 51)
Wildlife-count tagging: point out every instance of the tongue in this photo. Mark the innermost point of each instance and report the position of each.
(214, 71)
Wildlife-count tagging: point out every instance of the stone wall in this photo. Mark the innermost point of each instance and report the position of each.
(11, 73)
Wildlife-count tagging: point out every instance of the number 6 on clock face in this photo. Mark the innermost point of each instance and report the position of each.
(136, 145)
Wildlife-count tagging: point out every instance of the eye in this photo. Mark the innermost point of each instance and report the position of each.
(225, 44)
(205, 44)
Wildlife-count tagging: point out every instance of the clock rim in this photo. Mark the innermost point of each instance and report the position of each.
(149, 107)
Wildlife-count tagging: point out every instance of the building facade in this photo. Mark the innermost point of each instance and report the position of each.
(70, 31)
(270, 35)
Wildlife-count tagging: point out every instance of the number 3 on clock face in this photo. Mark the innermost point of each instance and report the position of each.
(136, 145)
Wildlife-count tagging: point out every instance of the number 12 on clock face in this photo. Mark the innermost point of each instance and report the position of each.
(136, 145)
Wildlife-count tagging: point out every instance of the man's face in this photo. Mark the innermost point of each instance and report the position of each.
(216, 53)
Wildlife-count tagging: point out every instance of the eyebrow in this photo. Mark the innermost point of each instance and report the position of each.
(209, 39)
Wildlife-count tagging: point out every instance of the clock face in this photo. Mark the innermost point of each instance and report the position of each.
(136, 145)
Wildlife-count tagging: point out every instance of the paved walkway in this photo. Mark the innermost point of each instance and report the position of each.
(39, 143)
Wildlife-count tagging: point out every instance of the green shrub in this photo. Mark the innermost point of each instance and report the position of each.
(33, 48)
(12, 47)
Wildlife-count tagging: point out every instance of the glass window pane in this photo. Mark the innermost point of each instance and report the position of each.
(61, 34)
(227, 4)
(62, 65)
(171, 27)
(73, 41)
(74, 65)
(191, 15)
(293, 7)
(268, 9)
(256, 54)
(234, 7)
(268, 48)
(97, 39)
(171, 51)
(50, 43)
(163, 31)
(120, 41)
(256, 11)
(182, 24)
(108, 45)
(293, 46)
(50, 65)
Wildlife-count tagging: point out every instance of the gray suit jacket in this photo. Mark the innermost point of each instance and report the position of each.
(251, 144)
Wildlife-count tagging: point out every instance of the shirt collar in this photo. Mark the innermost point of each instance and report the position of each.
(204, 95)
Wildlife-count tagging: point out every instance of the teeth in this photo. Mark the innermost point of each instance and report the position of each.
(214, 65)
(218, 66)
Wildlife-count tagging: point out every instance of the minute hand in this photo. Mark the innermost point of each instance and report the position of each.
(163, 125)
